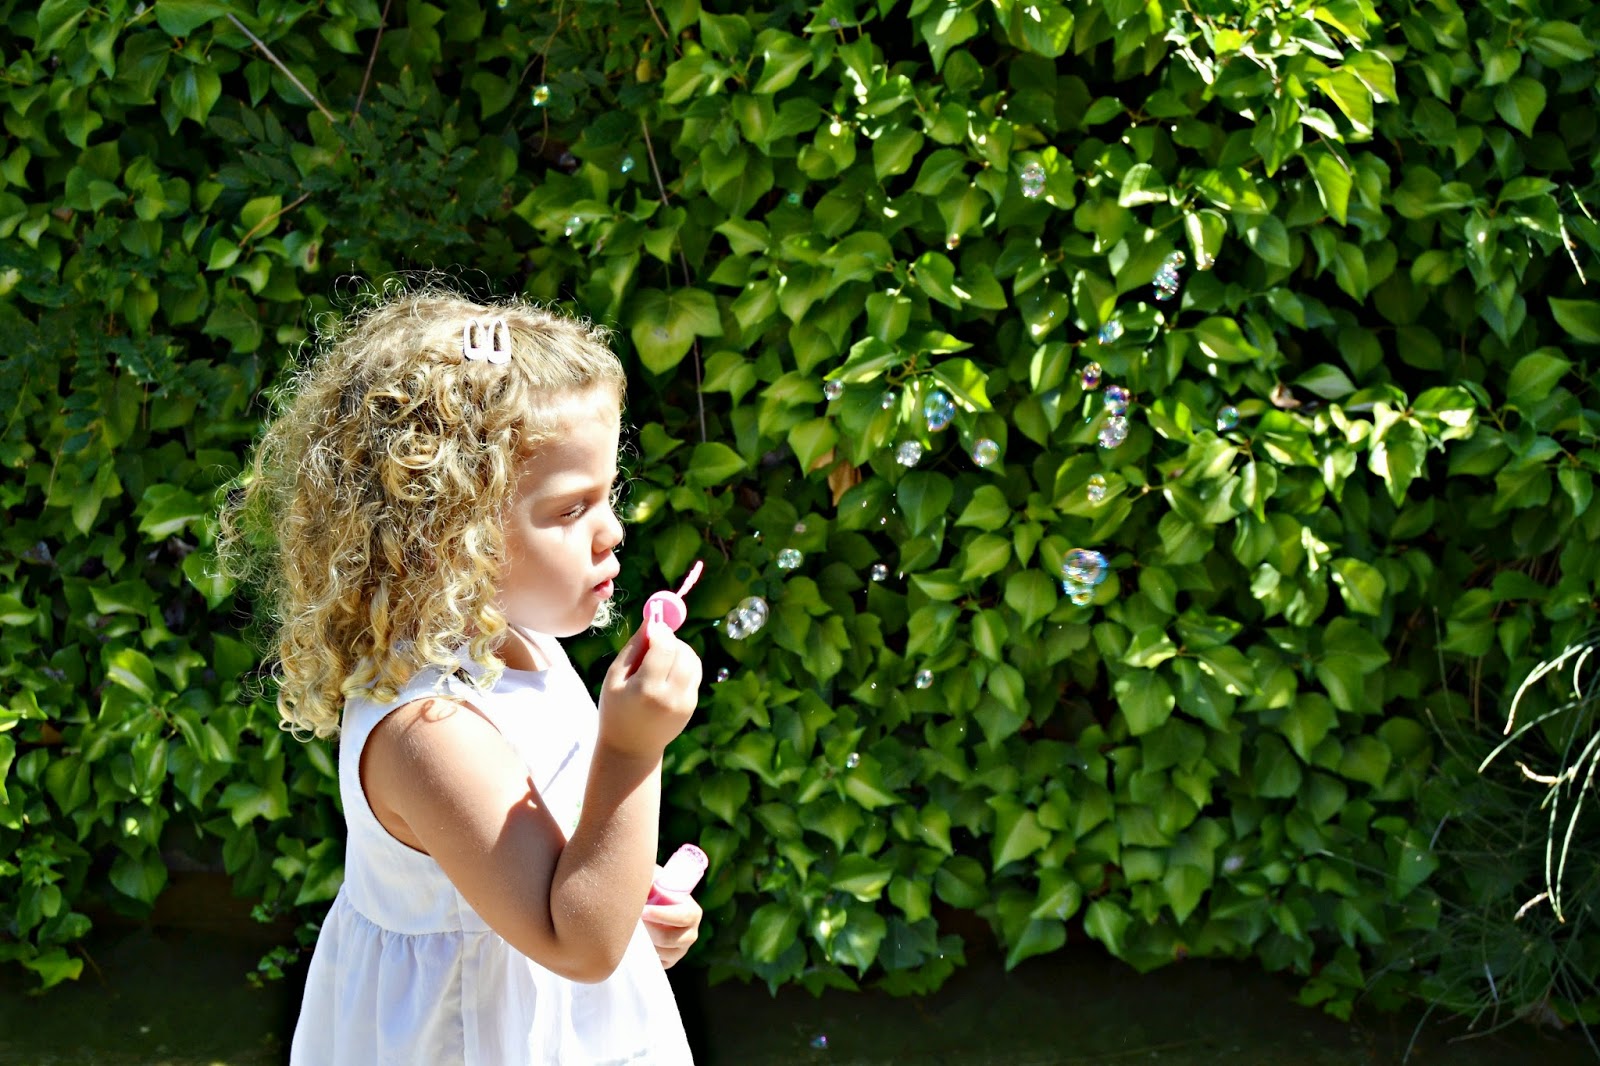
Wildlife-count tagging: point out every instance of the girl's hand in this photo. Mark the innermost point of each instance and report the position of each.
(673, 927)
(649, 693)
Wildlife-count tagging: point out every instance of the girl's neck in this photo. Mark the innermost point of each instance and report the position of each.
(523, 650)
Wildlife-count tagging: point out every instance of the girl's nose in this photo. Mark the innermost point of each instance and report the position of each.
(610, 534)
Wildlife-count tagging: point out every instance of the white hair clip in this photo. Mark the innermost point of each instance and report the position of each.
(487, 340)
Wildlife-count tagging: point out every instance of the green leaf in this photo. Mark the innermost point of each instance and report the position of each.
(1017, 833)
(132, 670)
(1362, 585)
(923, 497)
(140, 877)
(861, 876)
(771, 930)
(1223, 340)
(1519, 102)
(1142, 184)
(1146, 700)
(1580, 318)
(712, 464)
(1031, 594)
(182, 17)
(1535, 375)
(665, 325)
(168, 510)
(967, 385)
(56, 21)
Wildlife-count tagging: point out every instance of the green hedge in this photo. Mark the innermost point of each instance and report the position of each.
(1220, 755)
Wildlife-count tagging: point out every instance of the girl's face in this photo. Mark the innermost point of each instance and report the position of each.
(560, 529)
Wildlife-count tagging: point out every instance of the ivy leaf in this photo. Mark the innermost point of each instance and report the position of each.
(182, 17)
(1519, 102)
(1580, 318)
(712, 464)
(56, 22)
(666, 324)
(923, 497)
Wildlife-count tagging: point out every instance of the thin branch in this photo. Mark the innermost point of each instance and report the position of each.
(664, 34)
(259, 43)
(688, 281)
(272, 217)
(371, 59)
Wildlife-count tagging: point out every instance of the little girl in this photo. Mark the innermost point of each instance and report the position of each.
(437, 495)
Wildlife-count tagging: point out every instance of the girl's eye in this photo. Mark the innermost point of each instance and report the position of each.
(577, 512)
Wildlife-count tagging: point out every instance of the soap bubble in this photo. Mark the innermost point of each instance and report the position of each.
(627, 163)
(820, 1041)
(1227, 418)
(793, 198)
(938, 410)
(886, 401)
(660, 333)
(1032, 180)
(1085, 566)
(746, 619)
(799, 527)
(924, 679)
(789, 559)
(1097, 488)
(1091, 376)
(1204, 261)
(541, 95)
(1081, 595)
(1114, 432)
(953, 241)
(985, 452)
(1166, 281)
(852, 760)
(723, 673)
(833, 389)
(574, 224)
(1111, 331)
(909, 453)
(880, 572)
(1116, 399)
(498, 3)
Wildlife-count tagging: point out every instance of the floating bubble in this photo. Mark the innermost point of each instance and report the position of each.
(574, 224)
(789, 559)
(1167, 280)
(1114, 432)
(745, 619)
(1032, 180)
(541, 95)
(985, 452)
(723, 673)
(660, 333)
(1078, 594)
(820, 1041)
(953, 241)
(799, 527)
(909, 453)
(833, 389)
(852, 760)
(833, 24)
(938, 410)
(1096, 490)
(887, 400)
(39, 553)
(1204, 261)
(627, 163)
(1111, 331)
(1091, 376)
(793, 198)
(1227, 418)
(1085, 566)
(924, 679)
(501, 3)
(1116, 399)
(880, 572)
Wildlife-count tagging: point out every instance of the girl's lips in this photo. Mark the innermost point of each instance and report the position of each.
(605, 589)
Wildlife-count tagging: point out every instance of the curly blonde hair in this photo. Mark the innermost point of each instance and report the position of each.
(370, 512)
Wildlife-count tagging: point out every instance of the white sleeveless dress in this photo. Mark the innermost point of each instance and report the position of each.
(405, 971)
